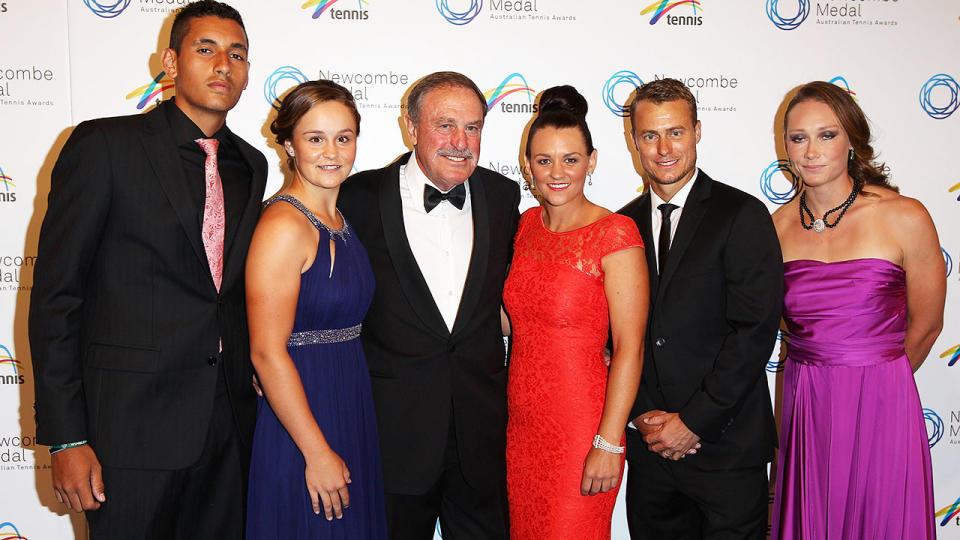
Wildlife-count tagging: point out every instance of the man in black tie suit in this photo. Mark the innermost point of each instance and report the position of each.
(702, 431)
(137, 323)
(439, 233)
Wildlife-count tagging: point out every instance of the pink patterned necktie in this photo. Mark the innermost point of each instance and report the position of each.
(213, 213)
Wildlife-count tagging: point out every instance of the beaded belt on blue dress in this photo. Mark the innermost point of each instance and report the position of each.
(312, 337)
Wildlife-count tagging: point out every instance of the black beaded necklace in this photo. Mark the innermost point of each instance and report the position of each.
(819, 225)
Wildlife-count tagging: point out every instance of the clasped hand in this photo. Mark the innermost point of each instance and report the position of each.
(327, 477)
(667, 435)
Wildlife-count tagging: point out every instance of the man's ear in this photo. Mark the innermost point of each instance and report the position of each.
(411, 129)
(168, 59)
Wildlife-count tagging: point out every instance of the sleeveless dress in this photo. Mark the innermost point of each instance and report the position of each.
(325, 348)
(854, 459)
(557, 380)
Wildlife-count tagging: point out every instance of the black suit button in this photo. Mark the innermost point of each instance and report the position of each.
(212, 360)
(660, 342)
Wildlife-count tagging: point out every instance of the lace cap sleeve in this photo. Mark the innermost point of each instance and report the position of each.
(621, 233)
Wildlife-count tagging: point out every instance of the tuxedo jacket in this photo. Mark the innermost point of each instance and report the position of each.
(421, 372)
(125, 320)
(714, 314)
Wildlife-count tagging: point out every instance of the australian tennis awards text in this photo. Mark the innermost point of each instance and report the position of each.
(13, 77)
(855, 12)
(12, 269)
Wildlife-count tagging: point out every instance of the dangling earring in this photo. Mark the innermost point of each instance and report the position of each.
(589, 179)
(851, 155)
(526, 185)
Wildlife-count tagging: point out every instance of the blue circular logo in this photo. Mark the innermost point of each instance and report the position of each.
(767, 177)
(609, 89)
(107, 10)
(947, 261)
(953, 100)
(281, 73)
(459, 18)
(934, 426)
(788, 23)
(777, 364)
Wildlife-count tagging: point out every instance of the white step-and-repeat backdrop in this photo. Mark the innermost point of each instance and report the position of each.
(64, 61)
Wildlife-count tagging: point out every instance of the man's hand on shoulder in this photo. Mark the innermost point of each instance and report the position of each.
(77, 478)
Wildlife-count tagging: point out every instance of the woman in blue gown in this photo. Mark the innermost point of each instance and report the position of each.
(315, 470)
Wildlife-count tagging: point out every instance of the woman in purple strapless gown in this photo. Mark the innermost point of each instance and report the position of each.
(863, 305)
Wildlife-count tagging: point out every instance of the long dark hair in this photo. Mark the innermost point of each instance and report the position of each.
(862, 166)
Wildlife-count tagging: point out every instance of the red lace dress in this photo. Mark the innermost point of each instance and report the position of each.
(557, 381)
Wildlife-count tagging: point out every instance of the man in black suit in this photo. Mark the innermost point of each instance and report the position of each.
(703, 429)
(439, 232)
(137, 321)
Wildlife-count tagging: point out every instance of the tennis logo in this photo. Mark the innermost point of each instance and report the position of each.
(947, 261)
(955, 187)
(940, 97)
(842, 83)
(324, 6)
(106, 10)
(618, 83)
(280, 74)
(788, 22)
(457, 17)
(515, 83)
(778, 362)
(7, 194)
(8, 531)
(160, 84)
(953, 353)
(779, 194)
(662, 8)
(949, 512)
(12, 374)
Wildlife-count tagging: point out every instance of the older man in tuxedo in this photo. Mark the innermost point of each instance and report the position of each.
(137, 323)
(702, 430)
(439, 232)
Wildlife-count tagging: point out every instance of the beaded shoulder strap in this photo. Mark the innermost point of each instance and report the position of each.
(341, 233)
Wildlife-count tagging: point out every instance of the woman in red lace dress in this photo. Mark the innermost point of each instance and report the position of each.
(577, 270)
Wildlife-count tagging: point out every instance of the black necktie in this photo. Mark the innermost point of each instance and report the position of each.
(663, 243)
(433, 196)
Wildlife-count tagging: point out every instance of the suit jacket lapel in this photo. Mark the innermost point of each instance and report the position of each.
(411, 279)
(477, 272)
(233, 260)
(646, 232)
(690, 219)
(163, 156)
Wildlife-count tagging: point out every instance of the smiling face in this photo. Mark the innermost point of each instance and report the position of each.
(559, 164)
(446, 136)
(666, 138)
(324, 145)
(210, 71)
(816, 143)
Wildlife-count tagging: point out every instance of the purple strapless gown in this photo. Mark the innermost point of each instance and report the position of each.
(854, 460)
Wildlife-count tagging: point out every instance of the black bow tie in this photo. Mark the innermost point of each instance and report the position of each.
(433, 196)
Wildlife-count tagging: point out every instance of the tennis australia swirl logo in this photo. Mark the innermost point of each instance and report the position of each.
(107, 10)
(661, 8)
(953, 353)
(324, 6)
(940, 96)
(12, 374)
(8, 531)
(949, 512)
(788, 23)
(779, 195)
(507, 88)
(282, 73)
(842, 83)
(459, 18)
(7, 193)
(617, 80)
(955, 187)
(934, 426)
(144, 94)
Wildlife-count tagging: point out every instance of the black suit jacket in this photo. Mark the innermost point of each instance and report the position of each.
(713, 321)
(125, 319)
(422, 372)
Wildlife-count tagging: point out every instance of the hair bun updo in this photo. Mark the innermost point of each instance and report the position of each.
(563, 98)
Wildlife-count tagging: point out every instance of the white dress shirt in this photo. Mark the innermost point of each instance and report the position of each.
(441, 241)
(656, 217)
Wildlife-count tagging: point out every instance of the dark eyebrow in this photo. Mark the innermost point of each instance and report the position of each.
(210, 41)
